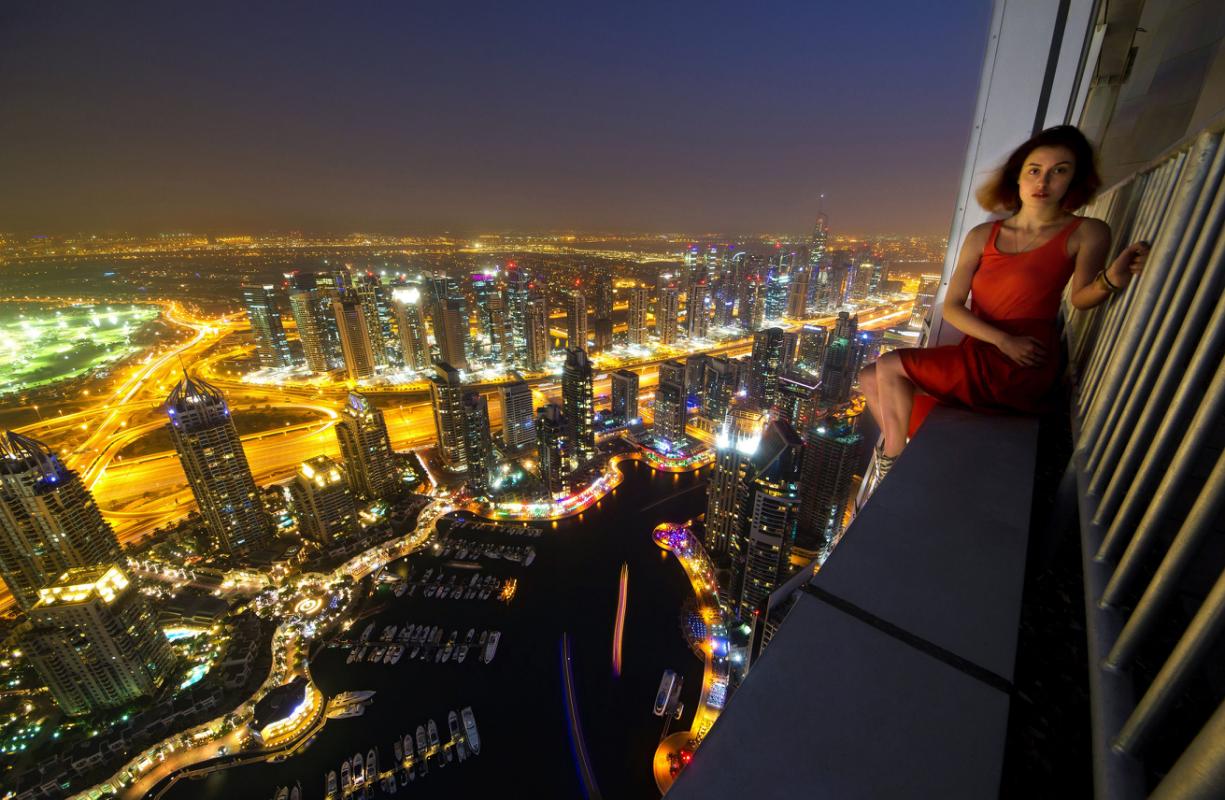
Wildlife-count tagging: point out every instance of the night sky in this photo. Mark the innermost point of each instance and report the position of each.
(422, 117)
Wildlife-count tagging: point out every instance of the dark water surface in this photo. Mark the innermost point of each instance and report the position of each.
(518, 700)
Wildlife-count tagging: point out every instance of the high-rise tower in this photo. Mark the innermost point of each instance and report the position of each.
(767, 364)
(537, 334)
(624, 395)
(354, 338)
(369, 461)
(49, 522)
(667, 312)
(410, 324)
(576, 321)
(829, 464)
(697, 317)
(552, 447)
(446, 394)
(451, 332)
(216, 467)
(518, 429)
(579, 405)
(478, 447)
(735, 445)
(640, 299)
(265, 317)
(304, 304)
(323, 501)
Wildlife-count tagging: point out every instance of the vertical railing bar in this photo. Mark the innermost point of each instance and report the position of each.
(1200, 523)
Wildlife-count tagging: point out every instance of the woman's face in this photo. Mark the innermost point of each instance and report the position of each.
(1045, 177)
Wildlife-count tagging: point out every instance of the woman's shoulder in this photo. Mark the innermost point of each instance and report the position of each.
(1092, 228)
(978, 235)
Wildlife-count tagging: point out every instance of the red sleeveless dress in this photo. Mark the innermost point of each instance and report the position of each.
(1019, 293)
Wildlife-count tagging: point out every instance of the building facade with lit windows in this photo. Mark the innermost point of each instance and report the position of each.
(767, 364)
(352, 325)
(365, 446)
(830, 460)
(578, 403)
(410, 325)
(636, 324)
(210, 452)
(451, 331)
(670, 412)
(576, 321)
(518, 415)
(538, 340)
(271, 344)
(95, 642)
(323, 501)
(304, 306)
(624, 390)
(667, 315)
(552, 448)
(446, 397)
(478, 444)
(735, 444)
(49, 522)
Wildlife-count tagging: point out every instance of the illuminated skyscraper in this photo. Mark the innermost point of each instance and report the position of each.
(518, 428)
(602, 334)
(553, 447)
(797, 400)
(695, 378)
(767, 364)
(372, 295)
(410, 324)
(698, 318)
(838, 371)
(751, 307)
(49, 522)
(369, 460)
(778, 287)
(579, 405)
(603, 291)
(735, 445)
(354, 338)
(771, 505)
(491, 317)
(451, 332)
(718, 379)
(624, 395)
(95, 642)
(538, 344)
(797, 298)
(819, 243)
(265, 317)
(667, 313)
(446, 395)
(640, 299)
(926, 296)
(216, 467)
(478, 446)
(670, 412)
(323, 501)
(576, 321)
(829, 464)
(811, 350)
(518, 295)
(304, 303)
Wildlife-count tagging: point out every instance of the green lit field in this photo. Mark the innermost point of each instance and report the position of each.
(41, 344)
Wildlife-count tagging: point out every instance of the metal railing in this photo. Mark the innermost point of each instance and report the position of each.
(1148, 420)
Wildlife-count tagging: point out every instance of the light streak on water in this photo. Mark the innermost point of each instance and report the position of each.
(577, 743)
(619, 626)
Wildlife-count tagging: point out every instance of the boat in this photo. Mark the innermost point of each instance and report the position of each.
(296, 792)
(388, 633)
(423, 761)
(393, 654)
(346, 782)
(372, 771)
(409, 772)
(531, 556)
(345, 698)
(366, 633)
(474, 738)
(453, 726)
(458, 594)
(361, 652)
(462, 653)
(359, 771)
(665, 691)
(281, 794)
(443, 654)
(481, 642)
(377, 655)
(346, 711)
(399, 589)
(352, 655)
(491, 646)
(330, 790)
(461, 750)
(413, 654)
(435, 744)
(397, 748)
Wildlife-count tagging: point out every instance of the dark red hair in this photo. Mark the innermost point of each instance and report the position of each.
(1002, 193)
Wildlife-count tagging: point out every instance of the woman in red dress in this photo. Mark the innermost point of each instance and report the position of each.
(1014, 271)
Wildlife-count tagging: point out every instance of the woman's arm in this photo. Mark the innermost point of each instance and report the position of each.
(1088, 290)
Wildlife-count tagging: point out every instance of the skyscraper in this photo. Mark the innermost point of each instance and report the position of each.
(767, 364)
(446, 395)
(579, 406)
(797, 400)
(718, 379)
(670, 412)
(811, 350)
(518, 295)
(216, 467)
(926, 296)
(491, 317)
(354, 338)
(49, 522)
(304, 304)
(537, 334)
(602, 334)
(372, 295)
(95, 642)
(667, 313)
(451, 332)
(518, 428)
(552, 447)
(771, 505)
(797, 299)
(839, 367)
(829, 463)
(672, 372)
(624, 395)
(640, 299)
(735, 444)
(369, 460)
(698, 318)
(323, 501)
(410, 324)
(695, 377)
(478, 447)
(576, 321)
(265, 317)
(603, 291)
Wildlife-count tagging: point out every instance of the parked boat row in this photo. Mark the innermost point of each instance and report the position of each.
(494, 527)
(412, 755)
(470, 550)
(426, 643)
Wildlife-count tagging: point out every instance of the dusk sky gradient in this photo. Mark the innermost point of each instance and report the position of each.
(485, 117)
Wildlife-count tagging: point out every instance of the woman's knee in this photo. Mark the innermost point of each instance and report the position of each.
(867, 377)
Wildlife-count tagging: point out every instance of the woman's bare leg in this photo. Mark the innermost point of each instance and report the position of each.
(896, 401)
(870, 385)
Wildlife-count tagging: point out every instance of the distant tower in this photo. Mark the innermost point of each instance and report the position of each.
(478, 447)
(840, 364)
(698, 320)
(579, 405)
(576, 321)
(818, 245)
(624, 395)
(829, 464)
(518, 428)
(735, 444)
(767, 364)
(602, 334)
(304, 303)
(265, 318)
(537, 335)
(718, 388)
(518, 295)
(670, 412)
(323, 501)
(603, 291)
(667, 312)
(216, 467)
(370, 461)
(451, 332)
(95, 641)
(372, 295)
(673, 371)
(354, 338)
(446, 394)
(797, 400)
(49, 522)
(410, 323)
(553, 447)
(811, 349)
(640, 299)
(926, 296)
(797, 299)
